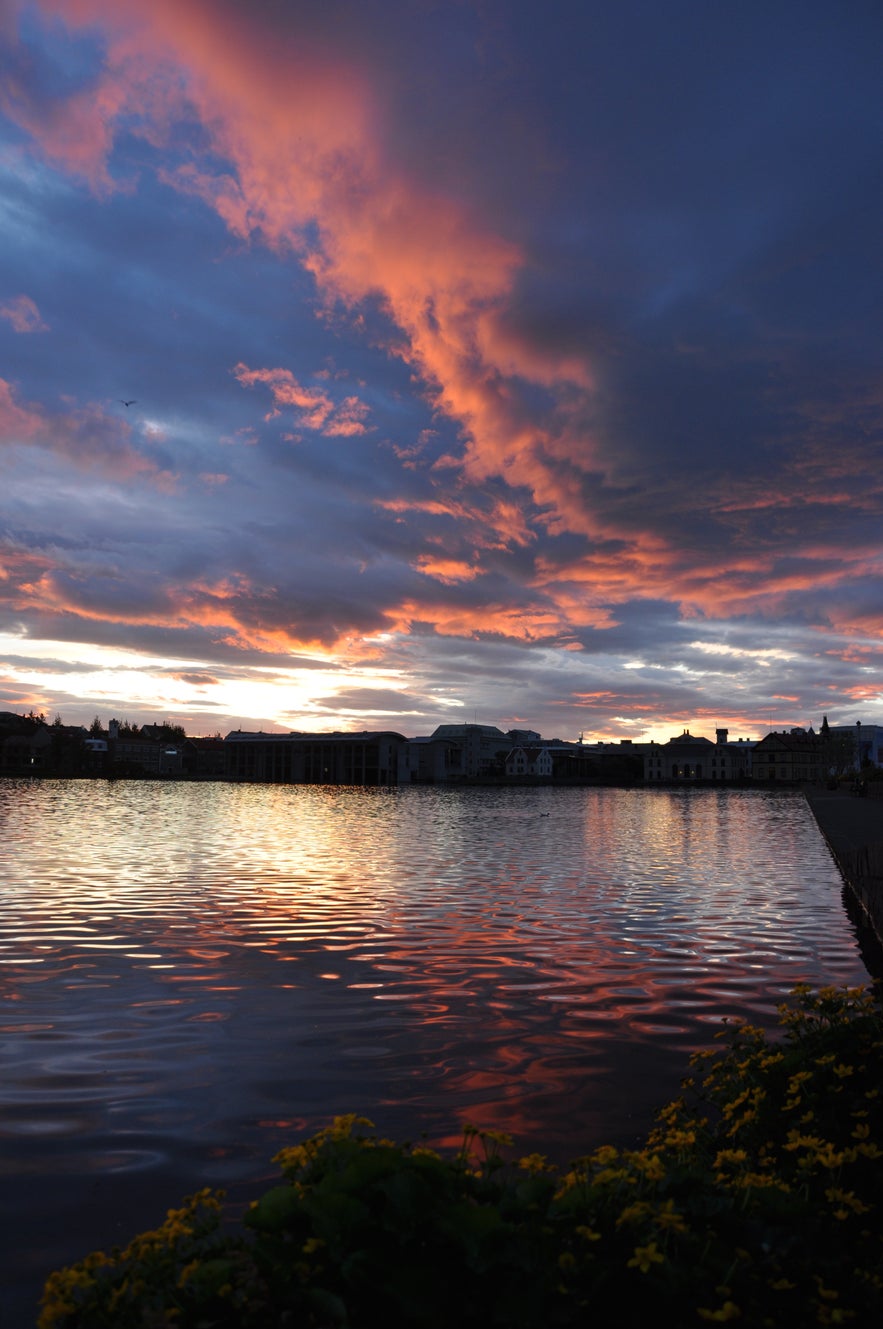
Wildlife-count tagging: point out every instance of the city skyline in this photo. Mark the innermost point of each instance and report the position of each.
(385, 366)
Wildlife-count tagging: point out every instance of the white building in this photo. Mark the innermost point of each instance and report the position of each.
(529, 763)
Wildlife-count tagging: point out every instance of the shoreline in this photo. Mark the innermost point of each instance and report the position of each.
(853, 829)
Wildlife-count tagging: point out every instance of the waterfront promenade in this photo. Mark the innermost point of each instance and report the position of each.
(853, 828)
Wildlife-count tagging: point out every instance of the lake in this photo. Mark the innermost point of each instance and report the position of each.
(192, 975)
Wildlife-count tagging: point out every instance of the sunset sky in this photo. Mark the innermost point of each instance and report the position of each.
(488, 360)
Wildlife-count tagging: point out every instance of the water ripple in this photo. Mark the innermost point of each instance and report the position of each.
(192, 974)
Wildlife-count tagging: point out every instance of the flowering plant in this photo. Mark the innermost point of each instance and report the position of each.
(755, 1197)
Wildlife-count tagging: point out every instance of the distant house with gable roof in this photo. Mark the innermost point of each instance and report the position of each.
(532, 762)
(792, 756)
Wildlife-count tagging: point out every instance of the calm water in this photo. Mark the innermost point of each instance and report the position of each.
(193, 975)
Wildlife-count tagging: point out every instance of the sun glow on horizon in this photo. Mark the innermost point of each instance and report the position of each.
(98, 677)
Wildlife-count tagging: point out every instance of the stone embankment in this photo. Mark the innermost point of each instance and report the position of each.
(853, 827)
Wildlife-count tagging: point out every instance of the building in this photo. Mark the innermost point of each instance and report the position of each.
(792, 756)
(338, 758)
(686, 758)
(858, 744)
(529, 763)
(137, 752)
(204, 758)
(28, 746)
(691, 759)
(602, 762)
(733, 759)
(462, 752)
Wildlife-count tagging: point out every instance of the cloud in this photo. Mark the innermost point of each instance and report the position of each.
(85, 438)
(597, 346)
(305, 137)
(315, 409)
(21, 311)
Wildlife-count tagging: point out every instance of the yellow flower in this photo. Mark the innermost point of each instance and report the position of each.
(828, 1293)
(798, 1141)
(644, 1257)
(730, 1156)
(650, 1166)
(187, 1272)
(668, 1217)
(842, 1071)
(829, 1157)
(759, 1181)
(633, 1213)
(293, 1156)
(496, 1137)
(729, 1311)
(681, 1139)
(847, 1200)
(534, 1163)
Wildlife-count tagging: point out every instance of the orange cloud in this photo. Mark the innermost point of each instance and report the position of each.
(86, 438)
(499, 524)
(17, 423)
(523, 623)
(449, 571)
(862, 692)
(302, 162)
(307, 170)
(317, 410)
(23, 314)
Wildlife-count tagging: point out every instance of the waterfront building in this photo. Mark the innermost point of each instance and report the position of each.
(533, 763)
(338, 758)
(865, 742)
(204, 758)
(458, 752)
(689, 758)
(792, 756)
(732, 759)
(684, 758)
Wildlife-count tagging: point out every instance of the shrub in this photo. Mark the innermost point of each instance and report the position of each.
(755, 1197)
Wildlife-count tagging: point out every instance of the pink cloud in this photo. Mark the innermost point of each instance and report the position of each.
(307, 167)
(18, 423)
(347, 419)
(86, 438)
(306, 147)
(524, 623)
(316, 409)
(23, 314)
(497, 524)
(449, 571)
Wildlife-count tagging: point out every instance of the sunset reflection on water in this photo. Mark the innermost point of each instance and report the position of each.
(193, 975)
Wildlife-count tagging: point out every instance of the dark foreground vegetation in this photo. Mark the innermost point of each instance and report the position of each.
(755, 1199)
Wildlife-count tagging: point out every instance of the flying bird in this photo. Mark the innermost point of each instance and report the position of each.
(128, 403)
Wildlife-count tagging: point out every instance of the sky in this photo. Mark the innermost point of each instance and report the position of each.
(381, 364)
